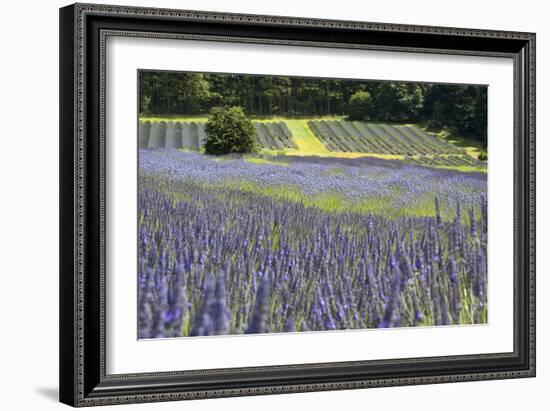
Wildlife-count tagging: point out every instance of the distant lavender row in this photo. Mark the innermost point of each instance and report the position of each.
(356, 180)
(460, 160)
(171, 134)
(227, 261)
(274, 135)
(191, 135)
(370, 137)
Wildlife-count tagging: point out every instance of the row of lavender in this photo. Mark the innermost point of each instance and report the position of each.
(274, 135)
(172, 134)
(356, 136)
(416, 145)
(232, 261)
(191, 135)
(394, 185)
(462, 160)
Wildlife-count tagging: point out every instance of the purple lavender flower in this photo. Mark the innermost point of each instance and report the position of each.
(217, 257)
(260, 318)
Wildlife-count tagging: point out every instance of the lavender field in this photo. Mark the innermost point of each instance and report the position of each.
(242, 244)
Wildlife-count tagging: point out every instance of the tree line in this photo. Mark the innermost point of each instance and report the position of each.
(460, 108)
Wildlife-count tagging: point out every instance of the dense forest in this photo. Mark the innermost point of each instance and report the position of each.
(460, 108)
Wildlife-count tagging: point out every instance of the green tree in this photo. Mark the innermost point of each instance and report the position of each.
(397, 101)
(360, 105)
(461, 109)
(229, 131)
(194, 94)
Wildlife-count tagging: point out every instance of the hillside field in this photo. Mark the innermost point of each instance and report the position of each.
(325, 137)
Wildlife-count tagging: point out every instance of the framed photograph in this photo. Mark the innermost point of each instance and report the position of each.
(262, 204)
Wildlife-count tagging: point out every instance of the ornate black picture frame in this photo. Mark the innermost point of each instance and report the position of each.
(83, 31)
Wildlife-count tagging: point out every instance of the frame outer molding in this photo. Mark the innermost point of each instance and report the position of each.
(73, 192)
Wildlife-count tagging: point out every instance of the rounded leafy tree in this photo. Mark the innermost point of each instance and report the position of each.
(229, 130)
(360, 104)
